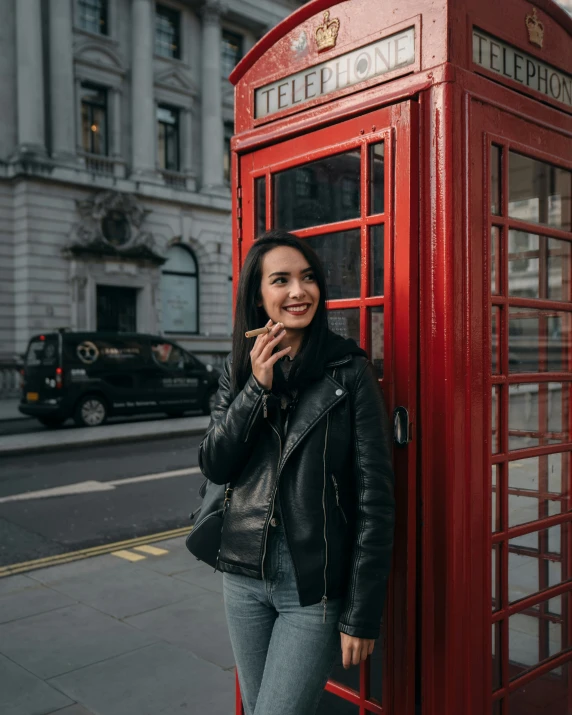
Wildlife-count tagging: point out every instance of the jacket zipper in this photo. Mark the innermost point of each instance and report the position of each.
(273, 496)
(261, 401)
(338, 498)
(325, 596)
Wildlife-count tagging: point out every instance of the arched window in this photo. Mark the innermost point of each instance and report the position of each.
(180, 292)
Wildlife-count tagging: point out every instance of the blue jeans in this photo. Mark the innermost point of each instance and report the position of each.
(284, 653)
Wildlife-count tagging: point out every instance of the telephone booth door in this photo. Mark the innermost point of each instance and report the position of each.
(526, 227)
(349, 190)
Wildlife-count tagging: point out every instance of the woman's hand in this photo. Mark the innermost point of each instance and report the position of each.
(261, 356)
(354, 650)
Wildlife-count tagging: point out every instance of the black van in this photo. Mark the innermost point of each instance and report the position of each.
(91, 376)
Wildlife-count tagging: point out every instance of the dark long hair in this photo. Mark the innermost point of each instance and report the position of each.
(249, 316)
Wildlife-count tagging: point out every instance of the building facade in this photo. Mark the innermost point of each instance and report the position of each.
(116, 118)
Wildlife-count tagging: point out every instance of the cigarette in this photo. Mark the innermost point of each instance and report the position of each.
(258, 331)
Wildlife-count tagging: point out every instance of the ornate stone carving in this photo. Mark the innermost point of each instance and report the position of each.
(111, 225)
(212, 10)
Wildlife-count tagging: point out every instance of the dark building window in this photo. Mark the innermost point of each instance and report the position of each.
(167, 32)
(228, 132)
(93, 16)
(231, 51)
(168, 138)
(94, 119)
(116, 309)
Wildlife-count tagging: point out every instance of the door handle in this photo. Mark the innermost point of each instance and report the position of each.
(401, 426)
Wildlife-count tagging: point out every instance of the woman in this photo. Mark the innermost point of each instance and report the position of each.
(300, 432)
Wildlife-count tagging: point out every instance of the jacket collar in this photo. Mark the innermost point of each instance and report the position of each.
(315, 402)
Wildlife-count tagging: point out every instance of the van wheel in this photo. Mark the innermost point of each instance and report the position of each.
(51, 422)
(91, 411)
(209, 402)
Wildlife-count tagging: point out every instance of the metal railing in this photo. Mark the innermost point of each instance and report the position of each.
(174, 179)
(9, 379)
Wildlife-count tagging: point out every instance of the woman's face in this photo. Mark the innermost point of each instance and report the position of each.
(289, 290)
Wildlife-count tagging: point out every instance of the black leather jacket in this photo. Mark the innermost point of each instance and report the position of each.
(333, 470)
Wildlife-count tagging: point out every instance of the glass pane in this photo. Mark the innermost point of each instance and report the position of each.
(495, 341)
(340, 255)
(376, 166)
(529, 496)
(376, 326)
(345, 323)
(495, 498)
(534, 562)
(495, 179)
(547, 695)
(495, 585)
(179, 295)
(539, 340)
(495, 260)
(538, 414)
(533, 637)
(376, 672)
(333, 705)
(376, 260)
(260, 207)
(317, 193)
(495, 418)
(539, 267)
(539, 192)
(496, 653)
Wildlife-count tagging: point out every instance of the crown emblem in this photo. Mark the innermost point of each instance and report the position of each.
(327, 34)
(535, 29)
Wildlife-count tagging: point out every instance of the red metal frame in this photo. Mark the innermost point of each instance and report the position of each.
(397, 127)
(441, 369)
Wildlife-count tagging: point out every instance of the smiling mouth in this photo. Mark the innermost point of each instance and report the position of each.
(297, 310)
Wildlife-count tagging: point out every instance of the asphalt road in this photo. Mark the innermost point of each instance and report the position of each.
(97, 512)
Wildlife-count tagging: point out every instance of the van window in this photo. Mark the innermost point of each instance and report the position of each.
(43, 353)
(167, 354)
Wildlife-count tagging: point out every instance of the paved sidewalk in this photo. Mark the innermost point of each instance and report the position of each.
(109, 636)
(9, 410)
(50, 440)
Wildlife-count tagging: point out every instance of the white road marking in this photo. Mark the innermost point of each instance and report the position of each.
(94, 486)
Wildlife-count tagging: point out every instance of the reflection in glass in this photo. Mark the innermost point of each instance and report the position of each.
(546, 695)
(539, 192)
(260, 208)
(376, 672)
(533, 637)
(495, 500)
(340, 255)
(345, 323)
(496, 154)
(376, 166)
(530, 498)
(495, 340)
(495, 418)
(321, 192)
(376, 260)
(539, 340)
(376, 336)
(496, 653)
(495, 260)
(539, 267)
(538, 414)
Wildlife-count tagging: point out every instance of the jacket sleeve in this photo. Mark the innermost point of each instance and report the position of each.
(229, 437)
(375, 518)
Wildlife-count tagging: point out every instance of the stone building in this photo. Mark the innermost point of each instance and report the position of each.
(115, 122)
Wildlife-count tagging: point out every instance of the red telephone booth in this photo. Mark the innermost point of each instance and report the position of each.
(424, 149)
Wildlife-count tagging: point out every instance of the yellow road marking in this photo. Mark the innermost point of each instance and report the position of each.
(128, 555)
(153, 550)
(58, 559)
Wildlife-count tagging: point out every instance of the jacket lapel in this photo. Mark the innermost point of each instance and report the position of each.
(315, 401)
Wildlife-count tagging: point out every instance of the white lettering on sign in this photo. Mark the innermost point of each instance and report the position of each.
(510, 62)
(373, 60)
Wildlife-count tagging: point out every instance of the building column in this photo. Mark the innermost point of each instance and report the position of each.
(187, 139)
(30, 79)
(62, 106)
(211, 105)
(143, 104)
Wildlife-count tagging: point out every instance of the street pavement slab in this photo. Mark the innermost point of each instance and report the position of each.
(50, 440)
(105, 636)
